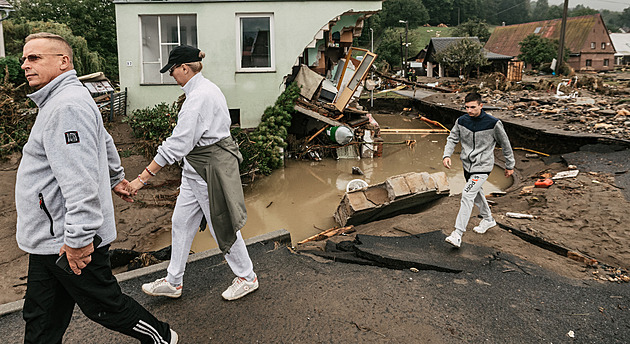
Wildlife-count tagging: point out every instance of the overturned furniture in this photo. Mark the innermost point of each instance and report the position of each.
(395, 195)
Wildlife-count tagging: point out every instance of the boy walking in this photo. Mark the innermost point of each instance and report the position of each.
(478, 133)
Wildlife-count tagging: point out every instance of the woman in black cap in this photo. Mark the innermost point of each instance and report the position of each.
(211, 186)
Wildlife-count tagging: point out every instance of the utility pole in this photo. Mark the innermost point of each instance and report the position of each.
(563, 29)
(402, 57)
(406, 46)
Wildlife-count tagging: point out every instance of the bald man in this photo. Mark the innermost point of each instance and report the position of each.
(64, 205)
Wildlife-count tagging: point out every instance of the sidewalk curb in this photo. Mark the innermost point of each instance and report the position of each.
(282, 236)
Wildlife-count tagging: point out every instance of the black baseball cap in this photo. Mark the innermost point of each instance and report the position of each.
(181, 54)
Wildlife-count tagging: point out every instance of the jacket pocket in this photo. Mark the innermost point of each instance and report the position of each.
(42, 205)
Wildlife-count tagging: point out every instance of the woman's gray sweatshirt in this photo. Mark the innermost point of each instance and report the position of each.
(68, 168)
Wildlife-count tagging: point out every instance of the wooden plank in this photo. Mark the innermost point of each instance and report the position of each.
(317, 116)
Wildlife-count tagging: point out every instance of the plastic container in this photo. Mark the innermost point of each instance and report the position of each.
(340, 134)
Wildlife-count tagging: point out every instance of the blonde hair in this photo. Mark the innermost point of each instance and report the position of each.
(196, 67)
(63, 44)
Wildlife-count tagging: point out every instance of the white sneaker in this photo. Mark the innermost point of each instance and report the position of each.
(161, 287)
(174, 337)
(239, 288)
(484, 225)
(454, 239)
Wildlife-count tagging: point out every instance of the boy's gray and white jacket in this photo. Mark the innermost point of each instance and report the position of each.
(478, 136)
(68, 168)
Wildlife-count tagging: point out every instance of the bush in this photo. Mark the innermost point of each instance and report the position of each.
(15, 120)
(262, 149)
(153, 125)
(11, 66)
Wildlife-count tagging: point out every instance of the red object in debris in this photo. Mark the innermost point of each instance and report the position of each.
(543, 183)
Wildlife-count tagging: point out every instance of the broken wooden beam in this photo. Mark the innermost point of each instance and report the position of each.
(328, 233)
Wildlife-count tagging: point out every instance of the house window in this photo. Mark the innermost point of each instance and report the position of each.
(589, 63)
(255, 43)
(160, 34)
(606, 62)
(592, 45)
(603, 45)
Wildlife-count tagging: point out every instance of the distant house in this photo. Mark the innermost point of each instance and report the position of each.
(621, 42)
(5, 9)
(587, 39)
(250, 45)
(438, 44)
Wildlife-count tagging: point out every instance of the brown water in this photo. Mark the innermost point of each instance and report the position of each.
(303, 196)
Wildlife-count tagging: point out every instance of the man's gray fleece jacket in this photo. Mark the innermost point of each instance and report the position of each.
(68, 168)
(478, 136)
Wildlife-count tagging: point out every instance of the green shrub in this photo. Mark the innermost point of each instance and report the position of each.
(11, 65)
(153, 125)
(262, 148)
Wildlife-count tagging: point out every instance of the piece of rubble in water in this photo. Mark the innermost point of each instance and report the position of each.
(395, 195)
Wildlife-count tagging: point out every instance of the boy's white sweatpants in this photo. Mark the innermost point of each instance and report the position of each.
(191, 204)
(472, 195)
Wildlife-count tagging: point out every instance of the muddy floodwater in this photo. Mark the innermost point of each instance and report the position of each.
(303, 196)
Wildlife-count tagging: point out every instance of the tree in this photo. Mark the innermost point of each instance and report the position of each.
(536, 50)
(540, 10)
(513, 11)
(555, 12)
(412, 11)
(465, 10)
(389, 48)
(439, 11)
(95, 20)
(580, 10)
(463, 57)
(472, 28)
(624, 18)
(85, 60)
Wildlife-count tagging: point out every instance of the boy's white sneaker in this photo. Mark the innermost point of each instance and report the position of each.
(454, 239)
(161, 287)
(239, 288)
(484, 225)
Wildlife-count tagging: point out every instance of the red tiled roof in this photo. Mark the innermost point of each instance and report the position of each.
(505, 39)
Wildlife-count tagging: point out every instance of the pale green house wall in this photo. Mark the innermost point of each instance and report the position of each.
(296, 23)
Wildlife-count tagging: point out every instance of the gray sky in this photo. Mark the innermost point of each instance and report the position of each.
(612, 5)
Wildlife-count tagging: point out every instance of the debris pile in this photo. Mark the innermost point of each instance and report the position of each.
(396, 194)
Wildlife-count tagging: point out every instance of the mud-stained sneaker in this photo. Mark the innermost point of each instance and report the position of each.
(161, 287)
(239, 288)
(174, 337)
(484, 225)
(454, 239)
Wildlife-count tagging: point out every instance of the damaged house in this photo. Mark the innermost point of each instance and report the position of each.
(251, 46)
(588, 41)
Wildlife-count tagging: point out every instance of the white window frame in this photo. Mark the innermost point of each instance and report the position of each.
(239, 43)
(162, 59)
